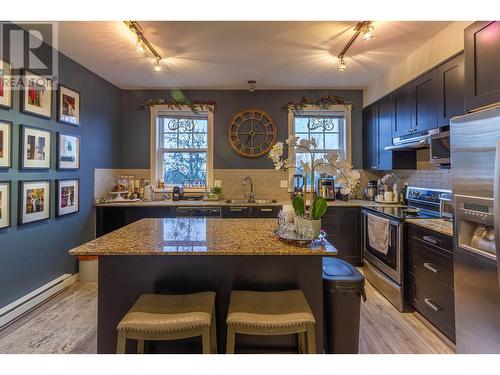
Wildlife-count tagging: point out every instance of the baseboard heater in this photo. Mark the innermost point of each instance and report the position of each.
(31, 300)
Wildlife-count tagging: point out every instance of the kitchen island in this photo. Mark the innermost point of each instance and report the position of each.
(185, 255)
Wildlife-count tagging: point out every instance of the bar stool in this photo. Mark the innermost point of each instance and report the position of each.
(271, 313)
(169, 317)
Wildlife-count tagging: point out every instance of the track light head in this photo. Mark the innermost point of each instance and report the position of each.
(367, 32)
(140, 46)
(157, 65)
(342, 64)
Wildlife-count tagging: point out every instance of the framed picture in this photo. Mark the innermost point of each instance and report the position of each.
(34, 201)
(68, 106)
(4, 204)
(36, 97)
(35, 148)
(68, 151)
(5, 144)
(67, 196)
(5, 89)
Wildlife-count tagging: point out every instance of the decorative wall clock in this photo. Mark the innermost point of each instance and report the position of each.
(252, 133)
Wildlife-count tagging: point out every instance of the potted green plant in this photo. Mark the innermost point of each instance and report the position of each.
(309, 215)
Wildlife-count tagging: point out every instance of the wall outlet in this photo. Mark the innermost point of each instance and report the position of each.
(217, 183)
(284, 183)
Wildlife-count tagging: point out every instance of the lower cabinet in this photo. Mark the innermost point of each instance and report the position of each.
(343, 229)
(431, 277)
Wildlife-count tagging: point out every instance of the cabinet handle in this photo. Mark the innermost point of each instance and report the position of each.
(430, 239)
(266, 210)
(430, 267)
(237, 209)
(432, 304)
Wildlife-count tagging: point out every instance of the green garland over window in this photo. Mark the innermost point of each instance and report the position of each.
(323, 102)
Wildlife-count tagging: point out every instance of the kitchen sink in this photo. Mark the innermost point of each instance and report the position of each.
(246, 201)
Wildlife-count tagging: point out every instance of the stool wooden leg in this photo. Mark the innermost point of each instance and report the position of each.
(231, 335)
(140, 346)
(213, 334)
(302, 343)
(121, 341)
(311, 339)
(205, 337)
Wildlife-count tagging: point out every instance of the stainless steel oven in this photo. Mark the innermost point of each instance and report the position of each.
(385, 271)
(440, 148)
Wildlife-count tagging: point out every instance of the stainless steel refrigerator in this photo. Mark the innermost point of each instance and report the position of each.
(475, 161)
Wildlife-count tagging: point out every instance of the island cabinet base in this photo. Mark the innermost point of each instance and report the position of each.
(122, 279)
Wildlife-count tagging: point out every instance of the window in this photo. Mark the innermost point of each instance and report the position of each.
(330, 128)
(182, 147)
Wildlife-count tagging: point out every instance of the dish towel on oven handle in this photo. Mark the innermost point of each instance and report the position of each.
(378, 233)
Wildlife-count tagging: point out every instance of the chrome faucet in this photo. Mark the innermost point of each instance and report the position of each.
(251, 196)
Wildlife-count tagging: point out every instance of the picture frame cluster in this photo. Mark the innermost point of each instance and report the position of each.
(36, 147)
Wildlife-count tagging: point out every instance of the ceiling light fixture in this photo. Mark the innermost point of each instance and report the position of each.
(368, 31)
(364, 27)
(143, 45)
(251, 85)
(157, 65)
(140, 47)
(342, 64)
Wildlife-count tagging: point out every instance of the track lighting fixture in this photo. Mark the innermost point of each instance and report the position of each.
(251, 85)
(366, 29)
(142, 45)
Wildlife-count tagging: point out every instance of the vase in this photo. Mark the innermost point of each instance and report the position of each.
(308, 227)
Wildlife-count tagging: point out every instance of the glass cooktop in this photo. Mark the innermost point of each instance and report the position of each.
(407, 212)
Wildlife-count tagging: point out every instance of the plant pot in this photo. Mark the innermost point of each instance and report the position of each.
(307, 226)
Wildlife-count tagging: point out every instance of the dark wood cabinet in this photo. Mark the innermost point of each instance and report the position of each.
(401, 109)
(423, 100)
(450, 90)
(482, 61)
(377, 134)
(343, 228)
(430, 268)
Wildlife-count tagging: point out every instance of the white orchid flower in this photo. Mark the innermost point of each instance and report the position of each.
(292, 140)
(305, 143)
(306, 168)
(345, 190)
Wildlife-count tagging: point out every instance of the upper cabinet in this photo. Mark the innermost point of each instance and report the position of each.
(482, 61)
(401, 122)
(450, 90)
(423, 101)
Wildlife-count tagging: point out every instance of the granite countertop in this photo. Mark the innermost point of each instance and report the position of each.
(170, 203)
(198, 236)
(438, 225)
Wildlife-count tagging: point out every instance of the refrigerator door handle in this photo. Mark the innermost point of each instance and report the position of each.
(496, 206)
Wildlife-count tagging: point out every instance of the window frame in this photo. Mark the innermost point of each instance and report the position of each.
(157, 148)
(345, 133)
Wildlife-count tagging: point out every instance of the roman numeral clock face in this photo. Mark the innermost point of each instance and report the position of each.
(252, 133)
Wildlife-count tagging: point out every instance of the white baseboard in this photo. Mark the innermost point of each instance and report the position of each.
(22, 305)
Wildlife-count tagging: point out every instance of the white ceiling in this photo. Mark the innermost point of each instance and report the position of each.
(224, 55)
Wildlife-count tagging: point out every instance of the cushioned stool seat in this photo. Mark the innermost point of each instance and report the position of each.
(271, 313)
(169, 317)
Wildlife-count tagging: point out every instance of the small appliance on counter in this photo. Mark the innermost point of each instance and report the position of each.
(371, 190)
(298, 184)
(177, 193)
(446, 206)
(325, 187)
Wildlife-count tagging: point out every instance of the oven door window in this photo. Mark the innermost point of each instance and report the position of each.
(390, 258)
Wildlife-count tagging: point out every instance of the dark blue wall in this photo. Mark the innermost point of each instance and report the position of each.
(135, 122)
(32, 255)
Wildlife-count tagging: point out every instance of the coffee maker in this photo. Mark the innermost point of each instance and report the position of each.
(298, 184)
(177, 193)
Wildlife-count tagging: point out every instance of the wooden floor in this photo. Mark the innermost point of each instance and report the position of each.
(67, 324)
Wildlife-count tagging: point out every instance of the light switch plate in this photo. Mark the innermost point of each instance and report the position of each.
(284, 183)
(218, 183)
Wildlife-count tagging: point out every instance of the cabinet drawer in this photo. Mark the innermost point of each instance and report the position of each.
(436, 240)
(236, 211)
(265, 211)
(435, 301)
(437, 265)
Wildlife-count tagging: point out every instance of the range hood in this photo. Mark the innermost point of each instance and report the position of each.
(410, 142)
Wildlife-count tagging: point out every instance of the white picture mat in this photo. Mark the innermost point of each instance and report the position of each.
(62, 142)
(70, 119)
(76, 205)
(37, 133)
(6, 99)
(45, 108)
(45, 214)
(6, 129)
(5, 205)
